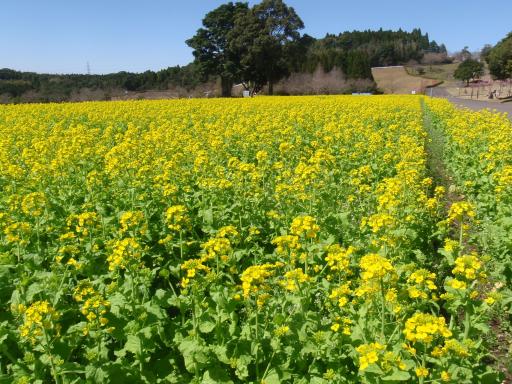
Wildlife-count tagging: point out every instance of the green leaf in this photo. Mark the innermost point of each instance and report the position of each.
(133, 345)
(221, 352)
(154, 309)
(193, 352)
(214, 376)
(162, 297)
(95, 374)
(33, 290)
(397, 375)
(318, 380)
(242, 364)
(490, 377)
(117, 303)
(272, 377)
(308, 348)
(374, 368)
(420, 256)
(206, 326)
(207, 215)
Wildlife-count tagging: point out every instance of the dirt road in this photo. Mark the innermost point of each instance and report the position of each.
(473, 104)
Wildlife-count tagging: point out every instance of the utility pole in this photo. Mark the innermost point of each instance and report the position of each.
(88, 68)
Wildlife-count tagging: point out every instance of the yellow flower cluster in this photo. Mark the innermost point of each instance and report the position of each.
(379, 221)
(374, 266)
(450, 245)
(468, 266)
(338, 258)
(39, 317)
(306, 226)
(17, 232)
(503, 181)
(94, 306)
(131, 220)
(341, 294)
(460, 210)
(421, 372)
(344, 322)
(455, 284)
(176, 217)
(34, 204)
(217, 247)
(294, 279)
(82, 223)
(453, 346)
(282, 331)
(376, 270)
(124, 252)
(228, 231)
(423, 328)
(254, 279)
(192, 266)
(369, 354)
(421, 282)
(286, 243)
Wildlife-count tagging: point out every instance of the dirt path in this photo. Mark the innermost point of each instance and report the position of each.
(475, 105)
(434, 147)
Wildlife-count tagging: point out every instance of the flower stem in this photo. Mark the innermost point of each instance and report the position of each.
(257, 349)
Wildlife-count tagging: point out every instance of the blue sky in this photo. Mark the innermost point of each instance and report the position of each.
(57, 36)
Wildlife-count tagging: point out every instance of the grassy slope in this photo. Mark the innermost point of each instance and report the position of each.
(441, 72)
(396, 80)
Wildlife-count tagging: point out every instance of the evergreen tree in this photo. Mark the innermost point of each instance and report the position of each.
(264, 38)
(211, 44)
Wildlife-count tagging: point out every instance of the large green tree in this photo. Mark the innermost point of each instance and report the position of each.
(499, 58)
(469, 69)
(265, 39)
(211, 44)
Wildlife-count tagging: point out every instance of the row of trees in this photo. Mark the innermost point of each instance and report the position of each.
(260, 45)
(51, 87)
(356, 52)
(255, 46)
(498, 58)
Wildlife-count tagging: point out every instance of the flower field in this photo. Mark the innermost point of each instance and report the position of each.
(267, 240)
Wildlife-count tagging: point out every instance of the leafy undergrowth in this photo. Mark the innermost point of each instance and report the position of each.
(276, 240)
(477, 152)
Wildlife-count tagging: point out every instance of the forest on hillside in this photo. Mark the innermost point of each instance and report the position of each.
(227, 59)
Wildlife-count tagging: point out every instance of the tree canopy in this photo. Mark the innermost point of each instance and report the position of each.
(251, 45)
(266, 38)
(357, 51)
(468, 70)
(499, 59)
(265, 45)
(211, 44)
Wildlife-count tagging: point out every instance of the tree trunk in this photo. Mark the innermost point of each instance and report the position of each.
(270, 87)
(226, 85)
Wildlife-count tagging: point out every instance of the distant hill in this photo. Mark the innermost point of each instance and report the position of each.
(34, 87)
(347, 58)
(396, 80)
(356, 52)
